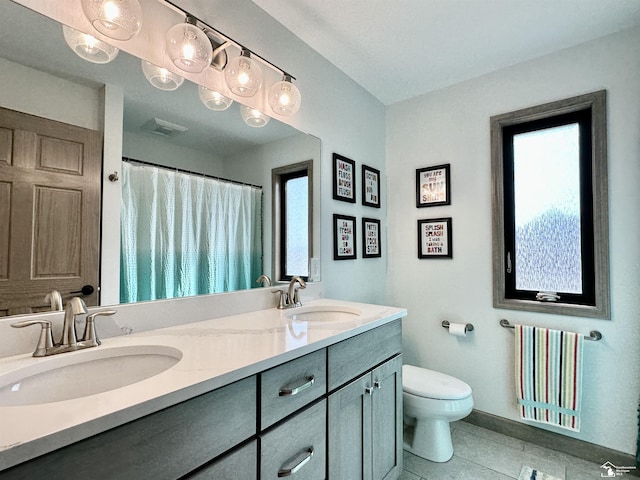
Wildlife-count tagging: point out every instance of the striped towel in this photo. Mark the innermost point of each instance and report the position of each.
(549, 376)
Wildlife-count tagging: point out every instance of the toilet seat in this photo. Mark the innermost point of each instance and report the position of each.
(430, 384)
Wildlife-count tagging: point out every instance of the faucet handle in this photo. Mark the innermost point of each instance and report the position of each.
(45, 342)
(90, 337)
(281, 300)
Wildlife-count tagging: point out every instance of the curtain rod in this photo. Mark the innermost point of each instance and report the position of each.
(182, 170)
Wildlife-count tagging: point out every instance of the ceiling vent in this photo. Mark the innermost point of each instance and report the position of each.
(163, 128)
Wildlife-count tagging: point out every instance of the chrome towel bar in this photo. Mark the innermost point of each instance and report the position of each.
(467, 328)
(594, 335)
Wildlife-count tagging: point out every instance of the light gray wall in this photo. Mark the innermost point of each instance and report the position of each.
(163, 152)
(452, 126)
(335, 109)
(37, 93)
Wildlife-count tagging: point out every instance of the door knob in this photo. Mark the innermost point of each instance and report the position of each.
(86, 290)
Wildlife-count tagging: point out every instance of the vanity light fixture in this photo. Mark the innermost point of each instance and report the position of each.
(117, 19)
(284, 97)
(213, 100)
(253, 117)
(189, 47)
(161, 78)
(88, 47)
(243, 75)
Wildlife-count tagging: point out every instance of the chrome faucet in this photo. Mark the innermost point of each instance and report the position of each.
(293, 300)
(290, 298)
(55, 300)
(265, 280)
(75, 306)
(69, 341)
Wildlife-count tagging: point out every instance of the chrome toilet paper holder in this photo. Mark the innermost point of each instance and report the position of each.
(467, 328)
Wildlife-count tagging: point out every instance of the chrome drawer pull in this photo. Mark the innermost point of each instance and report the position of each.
(285, 392)
(300, 461)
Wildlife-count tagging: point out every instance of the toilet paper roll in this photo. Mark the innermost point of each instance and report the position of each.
(458, 329)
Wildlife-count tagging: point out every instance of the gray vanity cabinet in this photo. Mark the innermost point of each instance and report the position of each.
(334, 413)
(240, 464)
(164, 445)
(386, 419)
(297, 447)
(365, 426)
(291, 386)
(365, 415)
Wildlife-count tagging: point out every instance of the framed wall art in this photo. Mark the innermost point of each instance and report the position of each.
(433, 186)
(344, 237)
(370, 186)
(435, 238)
(371, 247)
(344, 179)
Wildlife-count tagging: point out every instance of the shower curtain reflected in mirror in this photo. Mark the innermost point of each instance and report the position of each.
(184, 234)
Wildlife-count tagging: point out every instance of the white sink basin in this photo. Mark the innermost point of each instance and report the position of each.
(73, 375)
(324, 313)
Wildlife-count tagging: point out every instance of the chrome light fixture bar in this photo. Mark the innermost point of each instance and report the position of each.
(243, 75)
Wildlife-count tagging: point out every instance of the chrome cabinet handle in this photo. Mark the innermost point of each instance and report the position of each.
(298, 462)
(369, 391)
(377, 385)
(288, 391)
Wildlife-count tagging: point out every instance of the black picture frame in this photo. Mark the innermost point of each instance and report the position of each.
(435, 238)
(370, 186)
(433, 186)
(344, 179)
(371, 246)
(344, 237)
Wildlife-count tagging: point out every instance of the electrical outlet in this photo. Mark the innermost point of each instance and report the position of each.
(315, 269)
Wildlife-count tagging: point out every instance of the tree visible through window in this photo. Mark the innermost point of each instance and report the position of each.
(550, 209)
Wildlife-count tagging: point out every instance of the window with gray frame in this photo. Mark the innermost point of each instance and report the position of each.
(550, 225)
(292, 214)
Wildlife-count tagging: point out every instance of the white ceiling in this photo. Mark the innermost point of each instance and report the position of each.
(397, 49)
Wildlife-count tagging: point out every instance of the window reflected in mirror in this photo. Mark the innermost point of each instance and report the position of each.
(292, 220)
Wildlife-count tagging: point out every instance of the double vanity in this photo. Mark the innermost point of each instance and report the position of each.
(311, 392)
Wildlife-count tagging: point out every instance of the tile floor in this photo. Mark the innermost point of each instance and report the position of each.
(481, 454)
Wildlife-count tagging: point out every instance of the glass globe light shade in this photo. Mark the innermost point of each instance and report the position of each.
(189, 48)
(243, 75)
(253, 117)
(88, 47)
(213, 100)
(284, 97)
(117, 19)
(161, 78)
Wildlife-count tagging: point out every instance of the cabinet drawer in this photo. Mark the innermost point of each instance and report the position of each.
(240, 464)
(166, 444)
(356, 355)
(291, 386)
(297, 447)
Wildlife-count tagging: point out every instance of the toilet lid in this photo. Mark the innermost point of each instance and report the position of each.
(429, 384)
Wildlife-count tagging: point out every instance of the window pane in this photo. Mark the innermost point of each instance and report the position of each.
(297, 224)
(547, 209)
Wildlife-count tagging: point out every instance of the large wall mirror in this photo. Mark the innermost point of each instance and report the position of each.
(41, 76)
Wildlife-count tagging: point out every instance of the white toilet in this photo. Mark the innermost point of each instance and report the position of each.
(431, 400)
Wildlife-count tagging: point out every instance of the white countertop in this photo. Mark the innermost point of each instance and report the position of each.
(214, 353)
